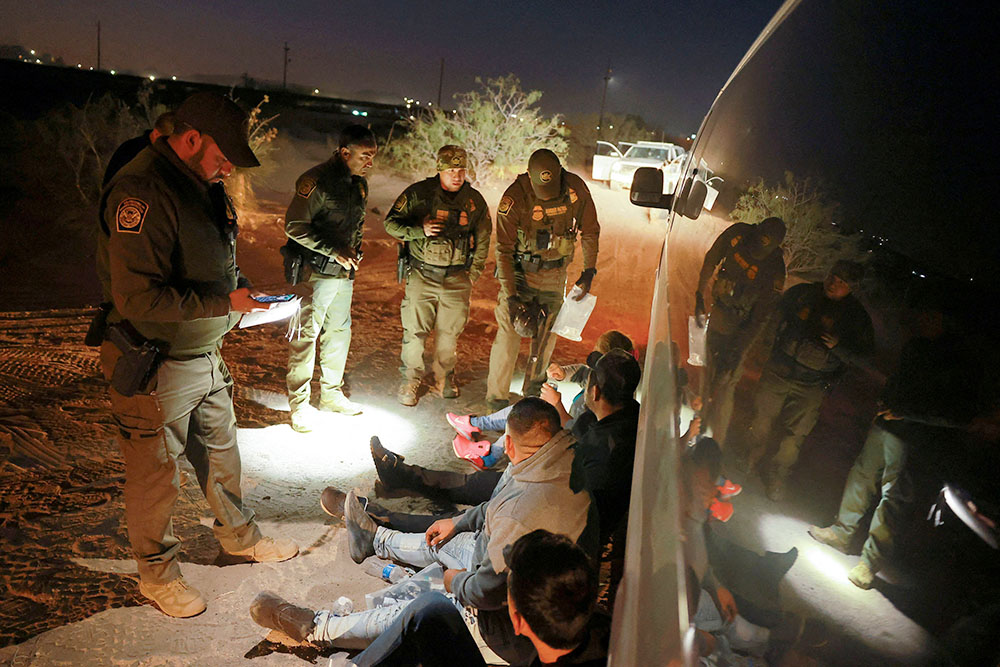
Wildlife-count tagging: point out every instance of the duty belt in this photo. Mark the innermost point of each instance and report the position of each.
(438, 273)
(534, 263)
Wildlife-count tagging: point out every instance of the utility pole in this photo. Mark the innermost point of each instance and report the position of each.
(440, 83)
(604, 97)
(98, 46)
(284, 72)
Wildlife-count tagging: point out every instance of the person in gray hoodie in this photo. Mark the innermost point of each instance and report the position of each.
(535, 492)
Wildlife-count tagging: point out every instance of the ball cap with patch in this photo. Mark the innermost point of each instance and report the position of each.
(452, 157)
(222, 119)
(545, 173)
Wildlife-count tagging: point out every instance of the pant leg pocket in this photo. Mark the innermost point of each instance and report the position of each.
(138, 416)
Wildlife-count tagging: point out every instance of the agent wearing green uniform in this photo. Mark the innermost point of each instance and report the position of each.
(445, 226)
(923, 414)
(749, 277)
(324, 226)
(171, 273)
(821, 329)
(538, 221)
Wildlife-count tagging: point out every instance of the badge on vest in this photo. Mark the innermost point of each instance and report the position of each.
(131, 212)
(305, 188)
(505, 205)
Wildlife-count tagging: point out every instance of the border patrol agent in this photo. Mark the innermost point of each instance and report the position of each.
(324, 225)
(749, 281)
(821, 329)
(176, 289)
(538, 221)
(445, 226)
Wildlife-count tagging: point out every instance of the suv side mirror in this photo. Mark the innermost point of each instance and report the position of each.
(691, 198)
(647, 189)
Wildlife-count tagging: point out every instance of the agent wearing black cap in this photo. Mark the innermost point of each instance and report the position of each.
(174, 282)
(821, 328)
(538, 221)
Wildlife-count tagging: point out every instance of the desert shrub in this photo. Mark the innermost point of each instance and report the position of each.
(814, 240)
(240, 185)
(498, 124)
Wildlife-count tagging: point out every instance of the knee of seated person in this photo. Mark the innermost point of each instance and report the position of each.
(428, 607)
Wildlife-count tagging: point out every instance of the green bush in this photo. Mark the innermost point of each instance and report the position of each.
(813, 241)
(498, 125)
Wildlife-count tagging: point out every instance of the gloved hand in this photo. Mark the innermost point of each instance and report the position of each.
(699, 308)
(514, 308)
(584, 281)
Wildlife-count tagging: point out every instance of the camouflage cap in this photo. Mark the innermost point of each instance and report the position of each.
(452, 157)
(220, 118)
(545, 173)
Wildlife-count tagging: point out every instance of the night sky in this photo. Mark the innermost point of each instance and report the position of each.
(669, 59)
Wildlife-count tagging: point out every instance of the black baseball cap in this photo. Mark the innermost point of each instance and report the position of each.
(616, 374)
(545, 173)
(222, 119)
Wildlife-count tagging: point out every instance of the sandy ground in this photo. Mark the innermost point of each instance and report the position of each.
(69, 594)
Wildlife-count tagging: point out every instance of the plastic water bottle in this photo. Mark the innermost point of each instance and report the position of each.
(387, 571)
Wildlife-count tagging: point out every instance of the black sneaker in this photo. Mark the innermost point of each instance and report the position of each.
(386, 464)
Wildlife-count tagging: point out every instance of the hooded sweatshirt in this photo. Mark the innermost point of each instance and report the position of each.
(535, 493)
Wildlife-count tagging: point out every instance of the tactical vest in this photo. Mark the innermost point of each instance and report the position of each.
(800, 339)
(456, 243)
(736, 284)
(341, 221)
(551, 227)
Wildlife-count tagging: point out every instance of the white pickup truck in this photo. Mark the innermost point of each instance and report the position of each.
(615, 167)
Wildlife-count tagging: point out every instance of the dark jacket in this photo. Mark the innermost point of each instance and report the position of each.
(170, 252)
(592, 651)
(606, 455)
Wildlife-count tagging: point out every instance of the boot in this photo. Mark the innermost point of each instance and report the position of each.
(270, 611)
(305, 419)
(447, 387)
(407, 394)
(862, 576)
(337, 402)
(828, 537)
(269, 550)
(174, 598)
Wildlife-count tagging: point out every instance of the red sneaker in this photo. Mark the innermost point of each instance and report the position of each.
(462, 425)
(477, 463)
(721, 510)
(468, 449)
(728, 489)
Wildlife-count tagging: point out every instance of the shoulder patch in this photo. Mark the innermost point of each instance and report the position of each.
(572, 196)
(305, 187)
(131, 212)
(400, 203)
(505, 205)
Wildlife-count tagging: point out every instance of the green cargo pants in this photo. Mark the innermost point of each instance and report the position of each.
(186, 409)
(879, 474)
(785, 409)
(723, 371)
(325, 315)
(441, 307)
(507, 344)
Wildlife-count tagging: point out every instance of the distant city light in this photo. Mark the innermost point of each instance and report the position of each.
(173, 78)
(152, 78)
(38, 61)
(91, 69)
(113, 72)
(32, 52)
(359, 113)
(611, 127)
(315, 91)
(79, 65)
(417, 103)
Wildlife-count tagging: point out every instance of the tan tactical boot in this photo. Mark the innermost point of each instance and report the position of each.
(447, 388)
(828, 537)
(407, 394)
(174, 598)
(270, 611)
(305, 419)
(269, 550)
(862, 576)
(337, 402)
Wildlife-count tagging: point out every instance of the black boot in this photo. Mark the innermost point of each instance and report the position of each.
(270, 611)
(388, 465)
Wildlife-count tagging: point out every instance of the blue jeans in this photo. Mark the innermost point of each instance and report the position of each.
(430, 631)
(493, 422)
(359, 629)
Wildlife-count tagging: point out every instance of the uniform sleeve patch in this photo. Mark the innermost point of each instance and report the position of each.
(505, 205)
(305, 187)
(131, 212)
(400, 203)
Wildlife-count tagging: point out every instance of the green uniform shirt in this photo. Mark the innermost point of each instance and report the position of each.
(171, 252)
(468, 235)
(327, 213)
(523, 221)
